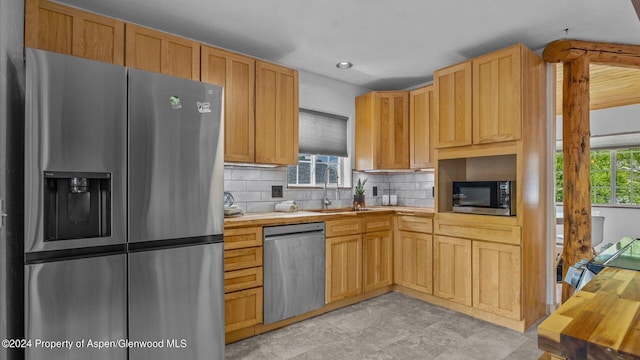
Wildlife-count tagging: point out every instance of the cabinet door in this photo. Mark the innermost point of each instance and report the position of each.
(366, 131)
(378, 259)
(343, 267)
(496, 96)
(276, 114)
(53, 27)
(160, 52)
(237, 74)
(413, 254)
(496, 278)
(452, 269)
(421, 119)
(242, 309)
(453, 106)
(393, 145)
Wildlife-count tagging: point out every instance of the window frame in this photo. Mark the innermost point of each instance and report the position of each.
(613, 184)
(344, 173)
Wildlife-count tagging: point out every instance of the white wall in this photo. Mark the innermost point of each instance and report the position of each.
(615, 120)
(332, 96)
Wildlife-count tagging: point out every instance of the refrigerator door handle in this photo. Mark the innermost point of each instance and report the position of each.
(3, 215)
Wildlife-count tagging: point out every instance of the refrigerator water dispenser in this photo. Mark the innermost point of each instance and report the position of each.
(76, 205)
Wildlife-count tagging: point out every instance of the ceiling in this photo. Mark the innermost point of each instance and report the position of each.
(393, 44)
(609, 86)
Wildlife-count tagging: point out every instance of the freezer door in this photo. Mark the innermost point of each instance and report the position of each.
(77, 301)
(176, 298)
(76, 115)
(176, 157)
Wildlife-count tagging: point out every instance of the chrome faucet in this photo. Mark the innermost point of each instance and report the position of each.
(325, 200)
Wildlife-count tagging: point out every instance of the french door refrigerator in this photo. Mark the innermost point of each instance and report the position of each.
(123, 213)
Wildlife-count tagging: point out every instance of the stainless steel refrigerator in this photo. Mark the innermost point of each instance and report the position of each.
(123, 212)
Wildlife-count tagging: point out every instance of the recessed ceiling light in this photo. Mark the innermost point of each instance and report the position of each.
(344, 65)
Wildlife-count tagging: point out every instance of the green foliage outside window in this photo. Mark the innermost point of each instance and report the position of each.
(614, 177)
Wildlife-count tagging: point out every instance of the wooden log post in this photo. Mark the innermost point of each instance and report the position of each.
(577, 162)
(576, 56)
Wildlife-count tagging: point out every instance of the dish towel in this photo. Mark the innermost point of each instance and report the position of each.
(287, 206)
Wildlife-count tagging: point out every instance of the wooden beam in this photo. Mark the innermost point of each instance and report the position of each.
(576, 149)
(601, 53)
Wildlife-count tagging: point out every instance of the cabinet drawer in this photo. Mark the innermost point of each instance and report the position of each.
(242, 309)
(242, 279)
(343, 227)
(480, 231)
(377, 223)
(242, 238)
(415, 223)
(242, 258)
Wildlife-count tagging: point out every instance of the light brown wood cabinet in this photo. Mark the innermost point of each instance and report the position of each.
(243, 278)
(413, 253)
(421, 122)
(377, 260)
(382, 130)
(157, 51)
(452, 269)
(497, 96)
(58, 28)
(496, 278)
(480, 101)
(237, 74)
(276, 124)
(378, 252)
(453, 106)
(343, 267)
(359, 255)
(507, 140)
(242, 309)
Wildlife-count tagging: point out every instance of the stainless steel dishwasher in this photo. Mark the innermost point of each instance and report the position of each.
(293, 270)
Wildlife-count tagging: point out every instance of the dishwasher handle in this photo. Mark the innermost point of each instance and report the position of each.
(272, 231)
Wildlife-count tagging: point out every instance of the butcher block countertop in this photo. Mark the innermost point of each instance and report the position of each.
(601, 321)
(282, 218)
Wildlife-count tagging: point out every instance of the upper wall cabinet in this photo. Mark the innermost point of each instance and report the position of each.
(237, 74)
(276, 140)
(480, 101)
(53, 27)
(157, 51)
(453, 106)
(382, 130)
(421, 119)
(496, 96)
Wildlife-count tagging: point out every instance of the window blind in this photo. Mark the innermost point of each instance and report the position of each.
(322, 133)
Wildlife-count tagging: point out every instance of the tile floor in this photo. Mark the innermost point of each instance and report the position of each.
(392, 326)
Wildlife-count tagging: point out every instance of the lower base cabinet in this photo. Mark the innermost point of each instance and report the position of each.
(343, 267)
(496, 279)
(377, 260)
(414, 261)
(452, 269)
(243, 278)
(242, 309)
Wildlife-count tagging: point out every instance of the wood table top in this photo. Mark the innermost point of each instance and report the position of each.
(601, 321)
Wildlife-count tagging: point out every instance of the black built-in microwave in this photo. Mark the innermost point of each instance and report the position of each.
(485, 197)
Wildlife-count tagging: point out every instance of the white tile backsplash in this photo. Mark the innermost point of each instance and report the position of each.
(251, 189)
